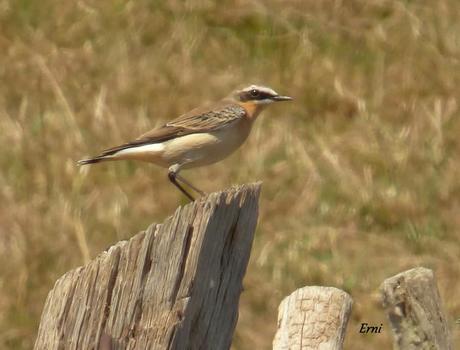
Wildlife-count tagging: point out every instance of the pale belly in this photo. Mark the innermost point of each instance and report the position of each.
(203, 149)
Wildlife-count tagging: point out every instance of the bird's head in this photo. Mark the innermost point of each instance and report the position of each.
(259, 95)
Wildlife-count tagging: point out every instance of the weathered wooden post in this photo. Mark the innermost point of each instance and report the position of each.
(174, 286)
(313, 318)
(414, 309)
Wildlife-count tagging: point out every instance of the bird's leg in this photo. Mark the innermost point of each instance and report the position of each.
(197, 190)
(172, 175)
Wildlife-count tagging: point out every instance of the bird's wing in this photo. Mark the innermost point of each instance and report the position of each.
(211, 118)
(198, 120)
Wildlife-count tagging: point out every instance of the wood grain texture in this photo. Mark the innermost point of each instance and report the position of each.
(174, 286)
(313, 318)
(414, 309)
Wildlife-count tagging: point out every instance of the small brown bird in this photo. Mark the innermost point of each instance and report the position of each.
(200, 137)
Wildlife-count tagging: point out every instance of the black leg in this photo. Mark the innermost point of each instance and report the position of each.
(197, 190)
(172, 178)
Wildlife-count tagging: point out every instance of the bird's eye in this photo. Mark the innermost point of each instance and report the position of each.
(254, 93)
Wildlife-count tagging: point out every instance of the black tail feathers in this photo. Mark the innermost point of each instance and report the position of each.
(91, 160)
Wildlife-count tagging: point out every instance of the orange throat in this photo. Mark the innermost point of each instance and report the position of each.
(252, 109)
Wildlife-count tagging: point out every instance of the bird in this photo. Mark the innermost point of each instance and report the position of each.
(203, 136)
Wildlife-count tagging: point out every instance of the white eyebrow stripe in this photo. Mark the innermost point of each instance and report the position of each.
(262, 89)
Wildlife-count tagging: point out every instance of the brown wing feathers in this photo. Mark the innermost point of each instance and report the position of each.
(210, 119)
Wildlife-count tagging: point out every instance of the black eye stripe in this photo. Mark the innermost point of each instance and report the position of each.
(250, 96)
(264, 95)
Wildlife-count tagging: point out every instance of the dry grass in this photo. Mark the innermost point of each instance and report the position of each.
(361, 174)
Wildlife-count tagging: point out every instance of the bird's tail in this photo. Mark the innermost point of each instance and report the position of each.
(97, 159)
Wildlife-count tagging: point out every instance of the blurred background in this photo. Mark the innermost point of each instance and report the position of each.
(361, 172)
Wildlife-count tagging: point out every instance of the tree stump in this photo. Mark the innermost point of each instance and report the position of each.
(174, 286)
(413, 306)
(313, 318)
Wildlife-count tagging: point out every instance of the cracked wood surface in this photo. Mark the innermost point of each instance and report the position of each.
(313, 318)
(414, 309)
(174, 286)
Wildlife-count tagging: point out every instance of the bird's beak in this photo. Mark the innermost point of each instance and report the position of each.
(281, 98)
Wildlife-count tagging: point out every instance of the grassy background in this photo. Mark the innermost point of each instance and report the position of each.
(361, 173)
